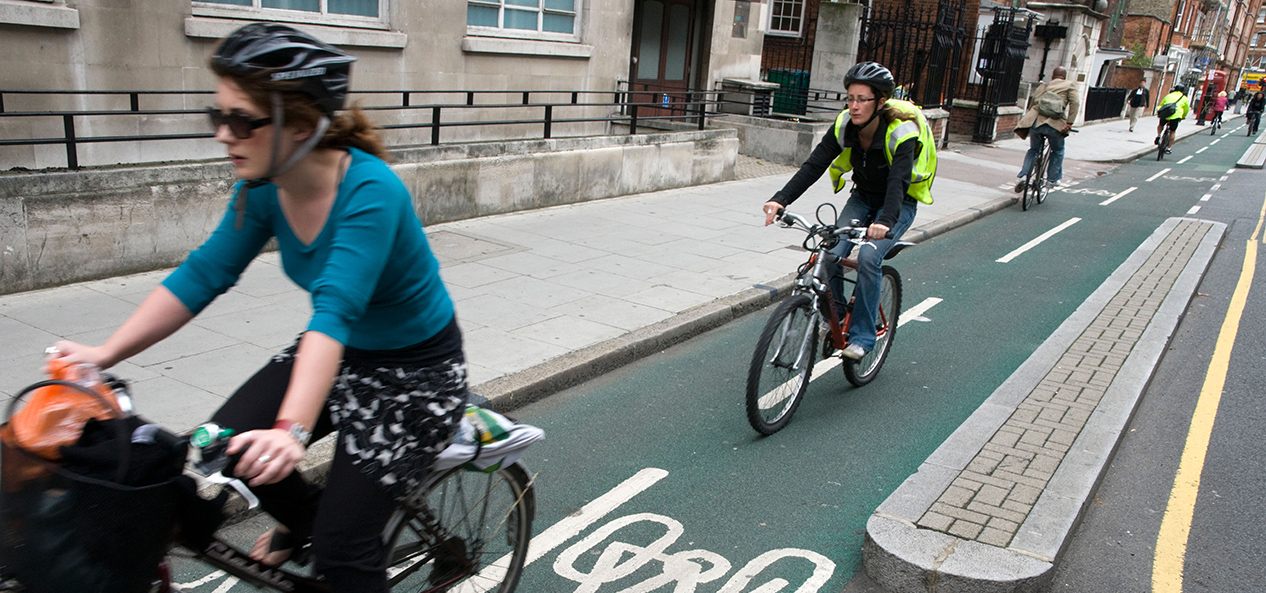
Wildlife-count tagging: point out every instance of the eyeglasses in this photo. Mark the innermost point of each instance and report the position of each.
(858, 100)
(240, 124)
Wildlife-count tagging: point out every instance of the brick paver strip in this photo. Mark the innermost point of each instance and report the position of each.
(1053, 414)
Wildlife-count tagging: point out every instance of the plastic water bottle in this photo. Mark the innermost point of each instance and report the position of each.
(211, 440)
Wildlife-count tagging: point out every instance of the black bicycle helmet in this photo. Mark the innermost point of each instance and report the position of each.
(276, 53)
(873, 74)
(1180, 88)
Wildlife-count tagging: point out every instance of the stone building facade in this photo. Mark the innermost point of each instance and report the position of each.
(590, 46)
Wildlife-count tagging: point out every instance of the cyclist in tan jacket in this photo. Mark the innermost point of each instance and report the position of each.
(1036, 125)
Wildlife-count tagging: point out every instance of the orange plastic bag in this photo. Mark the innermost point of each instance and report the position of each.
(54, 416)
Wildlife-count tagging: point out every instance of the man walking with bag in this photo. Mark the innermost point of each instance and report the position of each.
(1052, 111)
(1139, 102)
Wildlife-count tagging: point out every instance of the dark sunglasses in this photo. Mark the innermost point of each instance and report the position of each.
(240, 124)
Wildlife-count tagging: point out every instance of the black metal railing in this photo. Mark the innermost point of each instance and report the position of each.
(631, 106)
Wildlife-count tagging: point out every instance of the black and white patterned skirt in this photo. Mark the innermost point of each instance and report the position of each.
(393, 420)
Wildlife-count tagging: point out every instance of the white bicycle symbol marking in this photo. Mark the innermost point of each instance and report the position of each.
(687, 568)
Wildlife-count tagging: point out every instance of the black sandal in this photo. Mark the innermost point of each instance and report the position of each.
(300, 548)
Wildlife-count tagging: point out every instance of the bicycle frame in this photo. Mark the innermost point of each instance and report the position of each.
(814, 278)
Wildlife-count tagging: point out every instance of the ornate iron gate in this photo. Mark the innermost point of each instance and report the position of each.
(922, 47)
(1000, 63)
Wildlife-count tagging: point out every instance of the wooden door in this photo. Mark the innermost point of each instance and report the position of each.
(663, 41)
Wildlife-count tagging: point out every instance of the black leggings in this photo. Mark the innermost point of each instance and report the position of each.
(346, 521)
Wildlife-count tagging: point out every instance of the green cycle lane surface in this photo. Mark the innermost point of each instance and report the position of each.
(732, 511)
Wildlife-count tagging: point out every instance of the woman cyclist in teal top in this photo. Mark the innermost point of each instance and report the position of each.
(381, 360)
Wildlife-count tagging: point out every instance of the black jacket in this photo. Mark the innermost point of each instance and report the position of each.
(1139, 98)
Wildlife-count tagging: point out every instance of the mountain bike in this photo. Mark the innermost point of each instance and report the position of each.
(464, 530)
(782, 365)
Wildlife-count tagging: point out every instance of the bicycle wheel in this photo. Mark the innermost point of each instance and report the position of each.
(864, 371)
(1164, 144)
(471, 537)
(1032, 183)
(782, 364)
(1042, 187)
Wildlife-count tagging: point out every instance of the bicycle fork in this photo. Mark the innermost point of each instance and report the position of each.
(790, 342)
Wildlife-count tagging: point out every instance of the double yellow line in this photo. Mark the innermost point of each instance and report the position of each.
(1171, 542)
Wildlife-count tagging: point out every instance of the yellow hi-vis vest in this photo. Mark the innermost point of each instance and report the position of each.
(898, 131)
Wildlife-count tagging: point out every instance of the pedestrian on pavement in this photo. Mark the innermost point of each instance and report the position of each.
(1219, 106)
(1170, 117)
(1052, 109)
(1139, 102)
(383, 343)
(889, 147)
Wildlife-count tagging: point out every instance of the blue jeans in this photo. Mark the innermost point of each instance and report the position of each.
(1054, 169)
(870, 259)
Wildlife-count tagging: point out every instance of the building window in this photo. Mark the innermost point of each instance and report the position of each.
(1261, 16)
(786, 18)
(531, 18)
(324, 12)
(1178, 19)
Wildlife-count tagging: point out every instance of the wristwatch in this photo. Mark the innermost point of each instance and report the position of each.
(296, 430)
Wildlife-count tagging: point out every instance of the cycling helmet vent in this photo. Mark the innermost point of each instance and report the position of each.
(873, 74)
(277, 53)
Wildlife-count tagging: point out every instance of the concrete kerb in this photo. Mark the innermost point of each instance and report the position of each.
(903, 557)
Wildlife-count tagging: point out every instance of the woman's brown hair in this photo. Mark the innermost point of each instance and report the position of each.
(351, 128)
(889, 113)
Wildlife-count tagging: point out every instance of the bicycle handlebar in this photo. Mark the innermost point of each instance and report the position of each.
(856, 234)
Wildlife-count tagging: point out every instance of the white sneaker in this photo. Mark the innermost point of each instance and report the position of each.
(1054, 184)
(853, 352)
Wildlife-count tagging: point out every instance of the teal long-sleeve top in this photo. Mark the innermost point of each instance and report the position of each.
(374, 281)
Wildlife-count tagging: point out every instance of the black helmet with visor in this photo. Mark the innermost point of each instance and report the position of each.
(268, 52)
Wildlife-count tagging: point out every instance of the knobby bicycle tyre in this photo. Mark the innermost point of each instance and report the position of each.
(864, 371)
(472, 536)
(782, 364)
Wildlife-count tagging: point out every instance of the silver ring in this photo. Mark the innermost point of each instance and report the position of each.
(265, 458)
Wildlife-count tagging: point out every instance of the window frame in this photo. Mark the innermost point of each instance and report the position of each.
(539, 35)
(256, 12)
(769, 20)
